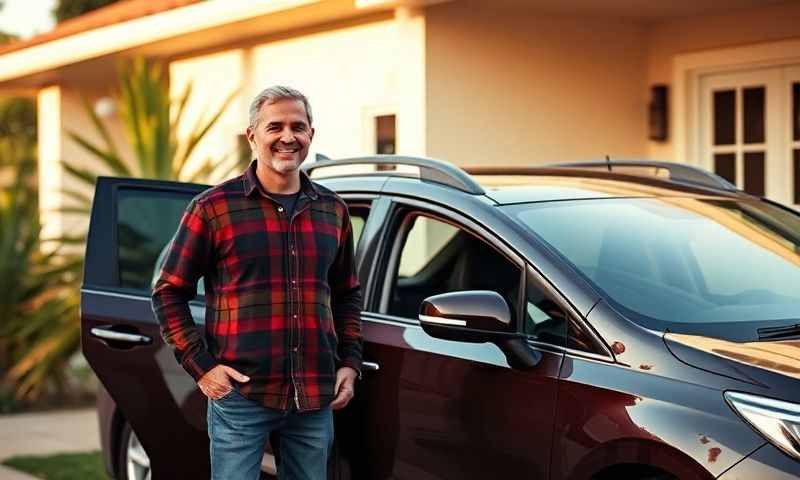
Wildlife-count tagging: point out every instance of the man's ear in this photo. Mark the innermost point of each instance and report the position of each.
(311, 137)
(250, 133)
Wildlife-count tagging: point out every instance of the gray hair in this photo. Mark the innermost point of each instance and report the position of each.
(273, 94)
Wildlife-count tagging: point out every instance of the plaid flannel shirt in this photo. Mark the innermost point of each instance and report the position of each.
(282, 297)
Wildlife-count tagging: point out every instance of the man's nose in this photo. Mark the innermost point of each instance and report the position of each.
(287, 136)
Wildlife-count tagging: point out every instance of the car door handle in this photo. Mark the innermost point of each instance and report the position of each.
(107, 334)
(372, 366)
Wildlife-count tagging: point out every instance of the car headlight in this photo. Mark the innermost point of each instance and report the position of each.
(776, 420)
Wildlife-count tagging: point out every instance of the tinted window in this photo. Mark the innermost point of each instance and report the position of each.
(545, 320)
(146, 222)
(679, 260)
(358, 218)
(438, 257)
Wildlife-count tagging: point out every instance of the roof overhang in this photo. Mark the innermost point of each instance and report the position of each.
(204, 26)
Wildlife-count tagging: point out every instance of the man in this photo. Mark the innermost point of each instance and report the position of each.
(283, 332)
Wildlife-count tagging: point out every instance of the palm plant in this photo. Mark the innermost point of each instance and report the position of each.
(151, 122)
(47, 331)
(36, 301)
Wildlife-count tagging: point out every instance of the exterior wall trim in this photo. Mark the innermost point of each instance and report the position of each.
(133, 33)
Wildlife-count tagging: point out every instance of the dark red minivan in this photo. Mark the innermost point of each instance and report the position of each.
(640, 320)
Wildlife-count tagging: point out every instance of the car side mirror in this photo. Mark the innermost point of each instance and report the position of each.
(476, 316)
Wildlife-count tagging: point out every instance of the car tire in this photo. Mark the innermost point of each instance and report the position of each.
(133, 462)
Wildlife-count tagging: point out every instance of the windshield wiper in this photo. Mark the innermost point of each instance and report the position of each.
(779, 333)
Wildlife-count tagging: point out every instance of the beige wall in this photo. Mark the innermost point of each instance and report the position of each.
(351, 75)
(213, 78)
(743, 27)
(514, 86)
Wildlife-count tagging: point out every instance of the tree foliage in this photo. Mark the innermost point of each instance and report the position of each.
(44, 326)
(66, 9)
(37, 298)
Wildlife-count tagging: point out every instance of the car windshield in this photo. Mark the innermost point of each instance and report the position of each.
(679, 261)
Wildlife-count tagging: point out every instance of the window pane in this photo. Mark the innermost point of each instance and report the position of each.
(385, 134)
(438, 258)
(358, 218)
(754, 173)
(796, 110)
(725, 166)
(725, 117)
(425, 240)
(753, 115)
(544, 319)
(797, 176)
(146, 222)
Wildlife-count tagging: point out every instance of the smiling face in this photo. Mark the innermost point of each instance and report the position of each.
(281, 135)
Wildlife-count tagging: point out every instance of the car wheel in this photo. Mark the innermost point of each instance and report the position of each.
(134, 464)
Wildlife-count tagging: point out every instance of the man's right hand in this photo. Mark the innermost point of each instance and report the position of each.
(216, 383)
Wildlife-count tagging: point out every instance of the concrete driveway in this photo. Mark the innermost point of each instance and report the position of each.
(66, 431)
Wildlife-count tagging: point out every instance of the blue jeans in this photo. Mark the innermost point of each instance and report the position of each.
(239, 427)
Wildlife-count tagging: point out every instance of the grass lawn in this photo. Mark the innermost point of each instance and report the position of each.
(65, 466)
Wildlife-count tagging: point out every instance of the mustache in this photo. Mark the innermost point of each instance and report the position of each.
(286, 145)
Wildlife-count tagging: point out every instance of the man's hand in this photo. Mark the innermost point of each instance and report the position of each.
(345, 387)
(216, 383)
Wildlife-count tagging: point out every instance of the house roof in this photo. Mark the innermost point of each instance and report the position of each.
(110, 14)
(161, 28)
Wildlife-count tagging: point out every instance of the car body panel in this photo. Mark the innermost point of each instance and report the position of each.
(143, 379)
(442, 409)
(768, 463)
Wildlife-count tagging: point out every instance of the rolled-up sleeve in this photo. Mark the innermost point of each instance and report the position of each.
(188, 259)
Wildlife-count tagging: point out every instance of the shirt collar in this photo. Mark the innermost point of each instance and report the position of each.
(252, 184)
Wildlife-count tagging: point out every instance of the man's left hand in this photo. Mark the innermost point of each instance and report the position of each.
(345, 387)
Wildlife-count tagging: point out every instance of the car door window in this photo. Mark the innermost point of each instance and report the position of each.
(359, 211)
(146, 222)
(438, 257)
(545, 321)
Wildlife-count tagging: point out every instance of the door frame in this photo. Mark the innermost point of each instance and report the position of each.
(690, 67)
(776, 183)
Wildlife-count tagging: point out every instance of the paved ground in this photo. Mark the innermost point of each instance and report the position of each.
(11, 474)
(46, 433)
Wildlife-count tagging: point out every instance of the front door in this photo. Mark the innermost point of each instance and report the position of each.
(132, 221)
(440, 409)
(748, 130)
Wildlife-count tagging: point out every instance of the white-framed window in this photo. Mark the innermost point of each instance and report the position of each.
(747, 129)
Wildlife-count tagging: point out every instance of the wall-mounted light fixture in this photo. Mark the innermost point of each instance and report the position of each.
(658, 113)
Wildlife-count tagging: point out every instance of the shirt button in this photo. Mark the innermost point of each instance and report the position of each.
(294, 281)
(294, 349)
(280, 209)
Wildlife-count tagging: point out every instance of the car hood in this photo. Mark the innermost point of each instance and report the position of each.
(781, 357)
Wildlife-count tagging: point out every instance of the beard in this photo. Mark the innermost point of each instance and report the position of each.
(285, 166)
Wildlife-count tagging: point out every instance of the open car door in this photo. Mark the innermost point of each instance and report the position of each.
(132, 221)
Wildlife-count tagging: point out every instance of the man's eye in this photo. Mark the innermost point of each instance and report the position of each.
(272, 128)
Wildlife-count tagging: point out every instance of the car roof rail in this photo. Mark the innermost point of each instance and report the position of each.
(678, 172)
(430, 170)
